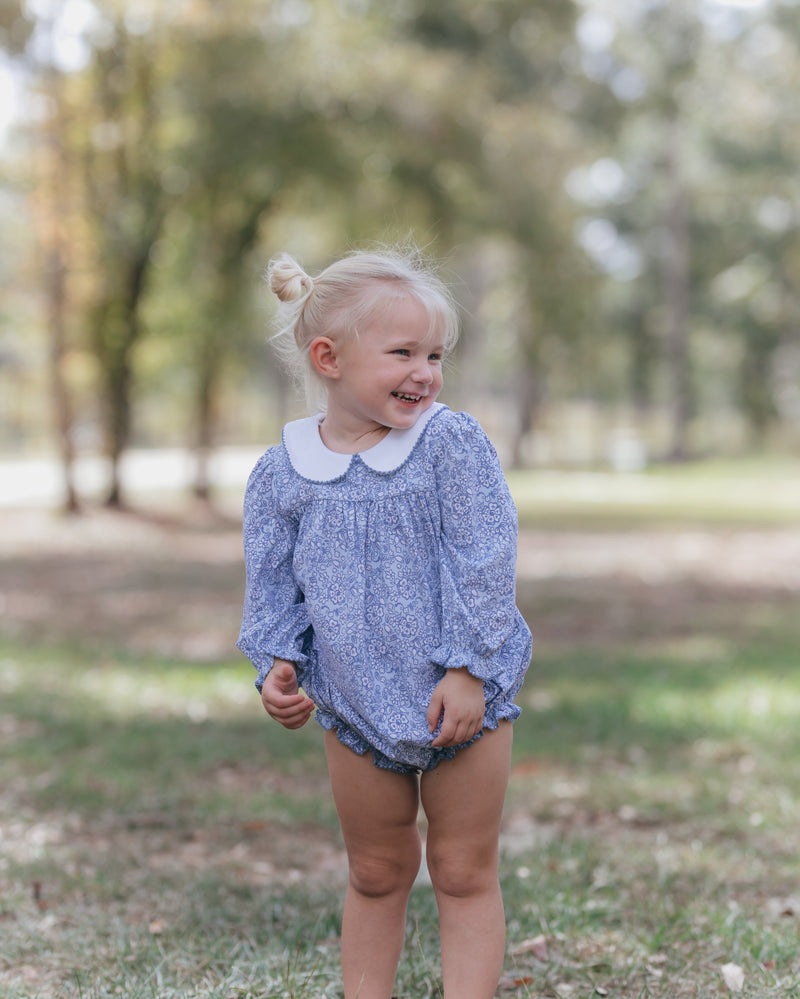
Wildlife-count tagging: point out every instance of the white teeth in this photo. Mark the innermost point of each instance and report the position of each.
(407, 398)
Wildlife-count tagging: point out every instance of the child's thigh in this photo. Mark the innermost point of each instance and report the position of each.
(377, 808)
(463, 797)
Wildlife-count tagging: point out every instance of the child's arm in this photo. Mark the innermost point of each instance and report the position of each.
(282, 698)
(458, 702)
(275, 620)
(482, 631)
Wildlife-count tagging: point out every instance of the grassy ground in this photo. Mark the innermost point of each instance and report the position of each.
(160, 838)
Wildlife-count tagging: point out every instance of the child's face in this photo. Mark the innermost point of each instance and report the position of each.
(391, 372)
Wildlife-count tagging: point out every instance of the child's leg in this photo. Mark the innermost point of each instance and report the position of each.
(378, 814)
(463, 799)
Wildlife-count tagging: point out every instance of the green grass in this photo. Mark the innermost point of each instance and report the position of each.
(664, 792)
(652, 831)
(160, 838)
(761, 491)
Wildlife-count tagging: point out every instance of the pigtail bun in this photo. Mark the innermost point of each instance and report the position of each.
(287, 279)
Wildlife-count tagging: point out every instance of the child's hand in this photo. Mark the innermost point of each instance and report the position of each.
(459, 698)
(281, 697)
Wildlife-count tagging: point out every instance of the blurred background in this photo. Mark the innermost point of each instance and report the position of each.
(611, 188)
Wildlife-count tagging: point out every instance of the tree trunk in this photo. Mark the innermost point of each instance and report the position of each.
(221, 314)
(117, 331)
(530, 382)
(62, 406)
(55, 269)
(676, 286)
(206, 423)
(118, 381)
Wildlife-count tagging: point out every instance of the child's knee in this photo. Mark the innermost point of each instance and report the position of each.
(461, 874)
(379, 876)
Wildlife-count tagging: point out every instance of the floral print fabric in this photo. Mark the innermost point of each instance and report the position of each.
(374, 580)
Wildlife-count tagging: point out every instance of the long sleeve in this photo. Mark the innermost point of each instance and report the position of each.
(481, 626)
(275, 621)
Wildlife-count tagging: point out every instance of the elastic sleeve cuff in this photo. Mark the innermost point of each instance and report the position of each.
(449, 658)
(263, 653)
(265, 664)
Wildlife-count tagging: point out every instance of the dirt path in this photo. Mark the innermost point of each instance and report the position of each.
(174, 588)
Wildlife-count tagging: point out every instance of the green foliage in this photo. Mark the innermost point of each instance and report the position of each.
(585, 156)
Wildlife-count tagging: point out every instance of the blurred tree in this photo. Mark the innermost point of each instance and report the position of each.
(641, 191)
(122, 159)
(752, 292)
(189, 114)
(50, 216)
(604, 199)
(55, 245)
(696, 178)
(514, 89)
(16, 26)
(252, 136)
(104, 143)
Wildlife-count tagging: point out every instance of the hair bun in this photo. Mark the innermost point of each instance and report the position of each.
(287, 279)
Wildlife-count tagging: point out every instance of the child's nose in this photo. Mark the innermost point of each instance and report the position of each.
(423, 373)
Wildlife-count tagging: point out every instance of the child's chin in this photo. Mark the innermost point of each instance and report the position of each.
(409, 415)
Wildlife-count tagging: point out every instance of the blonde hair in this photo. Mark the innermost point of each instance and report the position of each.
(346, 297)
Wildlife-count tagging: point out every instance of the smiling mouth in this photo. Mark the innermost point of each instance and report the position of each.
(403, 397)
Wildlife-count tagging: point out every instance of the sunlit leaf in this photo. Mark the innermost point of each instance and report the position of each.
(535, 945)
(734, 977)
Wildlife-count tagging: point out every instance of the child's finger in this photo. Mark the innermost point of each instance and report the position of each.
(303, 711)
(435, 709)
(285, 677)
(282, 702)
(275, 702)
(454, 731)
(296, 717)
(290, 712)
(448, 730)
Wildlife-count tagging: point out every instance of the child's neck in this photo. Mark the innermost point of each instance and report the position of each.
(337, 436)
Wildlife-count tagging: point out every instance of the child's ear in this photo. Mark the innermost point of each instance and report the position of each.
(322, 353)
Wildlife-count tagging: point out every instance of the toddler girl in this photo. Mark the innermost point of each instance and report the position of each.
(380, 543)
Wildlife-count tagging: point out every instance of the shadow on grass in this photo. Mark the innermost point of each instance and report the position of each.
(183, 845)
(163, 838)
(119, 734)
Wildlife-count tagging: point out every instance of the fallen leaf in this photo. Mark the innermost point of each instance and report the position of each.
(254, 825)
(734, 976)
(516, 981)
(784, 906)
(526, 767)
(535, 945)
(38, 898)
(157, 926)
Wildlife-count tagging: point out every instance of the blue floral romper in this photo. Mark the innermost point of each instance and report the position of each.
(376, 572)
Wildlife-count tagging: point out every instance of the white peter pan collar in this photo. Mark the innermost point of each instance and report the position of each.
(314, 461)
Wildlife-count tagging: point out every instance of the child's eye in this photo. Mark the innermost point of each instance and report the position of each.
(403, 351)
(436, 356)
